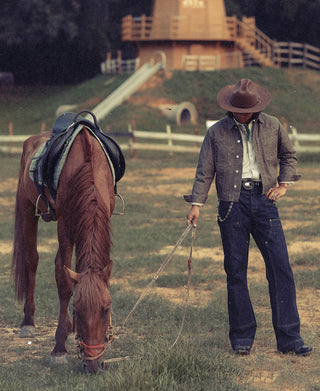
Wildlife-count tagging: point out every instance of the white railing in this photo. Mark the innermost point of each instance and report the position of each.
(172, 142)
(112, 66)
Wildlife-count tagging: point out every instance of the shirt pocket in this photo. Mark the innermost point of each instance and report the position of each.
(269, 145)
(224, 154)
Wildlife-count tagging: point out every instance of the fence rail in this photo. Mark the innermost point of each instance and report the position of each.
(300, 141)
(256, 46)
(114, 66)
(297, 54)
(170, 142)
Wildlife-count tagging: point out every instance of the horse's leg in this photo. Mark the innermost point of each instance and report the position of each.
(30, 227)
(64, 285)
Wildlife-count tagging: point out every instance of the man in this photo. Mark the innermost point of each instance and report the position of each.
(241, 152)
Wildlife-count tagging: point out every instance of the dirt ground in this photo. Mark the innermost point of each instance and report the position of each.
(308, 299)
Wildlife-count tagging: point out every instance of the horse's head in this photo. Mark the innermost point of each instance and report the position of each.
(92, 315)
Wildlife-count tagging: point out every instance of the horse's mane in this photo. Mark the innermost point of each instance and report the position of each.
(87, 218)
(90, 291)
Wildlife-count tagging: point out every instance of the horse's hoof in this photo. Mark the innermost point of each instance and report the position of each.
(71, 339)
(59, 360)
(27, 332)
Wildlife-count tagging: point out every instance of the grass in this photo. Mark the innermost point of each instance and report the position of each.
(155, 218)
(294, 94)
(201, 360)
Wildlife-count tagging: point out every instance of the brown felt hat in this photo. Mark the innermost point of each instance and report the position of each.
(243, 97)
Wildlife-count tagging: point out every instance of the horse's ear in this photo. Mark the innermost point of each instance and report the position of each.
(107, 270)
(72, 275)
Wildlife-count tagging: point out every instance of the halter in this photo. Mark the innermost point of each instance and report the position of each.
(87, 352)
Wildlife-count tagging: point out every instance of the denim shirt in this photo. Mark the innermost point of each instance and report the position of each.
(221, 158)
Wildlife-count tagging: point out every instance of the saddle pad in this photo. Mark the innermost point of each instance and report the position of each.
(48, 162)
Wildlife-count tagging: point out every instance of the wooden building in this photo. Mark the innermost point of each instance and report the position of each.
(197, 35)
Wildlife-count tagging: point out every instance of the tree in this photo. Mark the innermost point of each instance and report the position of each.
(53, 41)
(282, 20)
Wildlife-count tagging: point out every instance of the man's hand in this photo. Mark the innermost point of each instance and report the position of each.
(275, 193)
(193, 215)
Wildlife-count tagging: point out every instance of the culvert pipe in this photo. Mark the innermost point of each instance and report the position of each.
(182, 114)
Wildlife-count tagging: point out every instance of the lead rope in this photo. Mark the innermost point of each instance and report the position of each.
(188, 287)
(155, 277)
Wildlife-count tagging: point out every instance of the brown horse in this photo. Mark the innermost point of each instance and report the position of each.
(84, 203)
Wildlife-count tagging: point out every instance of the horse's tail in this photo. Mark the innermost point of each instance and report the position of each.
(18, 266)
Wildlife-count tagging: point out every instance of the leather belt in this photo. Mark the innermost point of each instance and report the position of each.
(249, 184)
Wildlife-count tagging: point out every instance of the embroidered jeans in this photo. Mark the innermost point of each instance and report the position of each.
(255, 214)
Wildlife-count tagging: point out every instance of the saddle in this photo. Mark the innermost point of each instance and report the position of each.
(48, 162)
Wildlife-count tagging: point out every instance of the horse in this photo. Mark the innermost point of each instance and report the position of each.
(83, 206)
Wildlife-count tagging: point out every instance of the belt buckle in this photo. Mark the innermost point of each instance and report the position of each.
(248, 185)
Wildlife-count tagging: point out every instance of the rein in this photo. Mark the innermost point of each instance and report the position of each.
(89, 354)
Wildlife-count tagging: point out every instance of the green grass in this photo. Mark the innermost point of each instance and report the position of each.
(201, 360)
(294, 97)
(154, 220)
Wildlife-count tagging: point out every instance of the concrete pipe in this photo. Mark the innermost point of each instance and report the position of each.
(183, 114)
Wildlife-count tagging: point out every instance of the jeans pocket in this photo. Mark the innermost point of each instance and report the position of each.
(266, 199)
(276, 234)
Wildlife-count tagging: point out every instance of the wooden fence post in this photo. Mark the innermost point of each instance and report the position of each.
(119, 61)
(295, 142)
(305, 56)
(290, 54)
(10, 134)
(168, 129)
(132, 129)
(196, 132)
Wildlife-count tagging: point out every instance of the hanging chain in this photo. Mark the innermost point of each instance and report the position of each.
(220, 219)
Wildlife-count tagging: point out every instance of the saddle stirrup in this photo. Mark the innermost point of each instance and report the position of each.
(123, 206)
(38, 212)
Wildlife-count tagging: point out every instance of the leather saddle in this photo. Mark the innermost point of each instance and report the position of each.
(48, 165)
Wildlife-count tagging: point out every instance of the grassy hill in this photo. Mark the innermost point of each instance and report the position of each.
(295, 97)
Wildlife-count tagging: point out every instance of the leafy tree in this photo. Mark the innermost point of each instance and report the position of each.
(282, 20)
(53, 40)
(30, 22)
(306, 26)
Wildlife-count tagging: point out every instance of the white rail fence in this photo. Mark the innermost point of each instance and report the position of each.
(115, 66)
(168, 141)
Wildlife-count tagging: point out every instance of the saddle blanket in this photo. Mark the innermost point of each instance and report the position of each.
(48, 162)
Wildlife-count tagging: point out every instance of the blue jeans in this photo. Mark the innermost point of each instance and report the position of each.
(255, 214)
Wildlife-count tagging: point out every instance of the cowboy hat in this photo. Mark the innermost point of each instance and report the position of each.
(243, 97)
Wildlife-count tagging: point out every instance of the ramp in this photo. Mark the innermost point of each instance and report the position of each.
(132, 84)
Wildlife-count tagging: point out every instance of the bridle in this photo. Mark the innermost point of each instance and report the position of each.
(88, 352)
